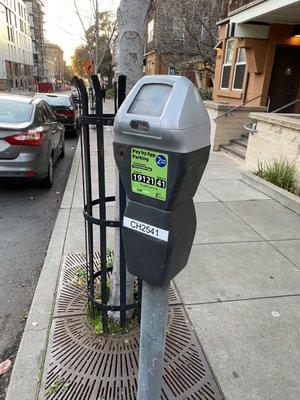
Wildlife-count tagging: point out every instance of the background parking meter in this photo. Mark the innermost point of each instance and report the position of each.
(161, 147)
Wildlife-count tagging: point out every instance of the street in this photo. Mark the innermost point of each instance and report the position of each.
(27, 217)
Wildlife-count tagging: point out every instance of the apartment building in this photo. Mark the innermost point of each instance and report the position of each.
(256, 109)
(180, 39)
(258, 54)
(36, 21)
(16, 58)
(54, 53)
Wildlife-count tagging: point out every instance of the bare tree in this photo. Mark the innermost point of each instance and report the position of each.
(131, 26)
(186, 32)
(98, 34)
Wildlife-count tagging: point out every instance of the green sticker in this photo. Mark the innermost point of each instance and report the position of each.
(149, 173)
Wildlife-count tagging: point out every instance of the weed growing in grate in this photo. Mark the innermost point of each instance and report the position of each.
(109, 257)
(281, 173)
(80, 271)
(95, 318)
(59, 383)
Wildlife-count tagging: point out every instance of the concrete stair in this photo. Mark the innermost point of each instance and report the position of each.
(237, 147)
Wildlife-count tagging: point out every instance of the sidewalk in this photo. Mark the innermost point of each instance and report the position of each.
(240, 288)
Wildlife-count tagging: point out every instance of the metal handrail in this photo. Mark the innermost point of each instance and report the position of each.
(251, 126)
(236, 107)
(285, 106)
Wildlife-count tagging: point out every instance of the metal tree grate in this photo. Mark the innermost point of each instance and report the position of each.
(72, 296)
(83, 366)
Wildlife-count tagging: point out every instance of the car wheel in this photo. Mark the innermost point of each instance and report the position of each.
(48, 181)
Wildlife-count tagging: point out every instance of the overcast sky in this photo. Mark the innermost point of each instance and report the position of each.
(62, 25)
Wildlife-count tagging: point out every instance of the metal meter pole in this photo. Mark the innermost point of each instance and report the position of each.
(155, 302)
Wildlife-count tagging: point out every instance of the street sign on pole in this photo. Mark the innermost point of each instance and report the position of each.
(89, 66)
(161, 147)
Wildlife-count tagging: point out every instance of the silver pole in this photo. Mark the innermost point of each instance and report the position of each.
(155, 302)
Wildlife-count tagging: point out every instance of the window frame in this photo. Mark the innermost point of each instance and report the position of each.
(150, 33)
(227, 64)
(237, 62)
(178, 28)
(40, 115)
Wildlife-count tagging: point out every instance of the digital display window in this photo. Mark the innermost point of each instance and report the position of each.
(151, 100)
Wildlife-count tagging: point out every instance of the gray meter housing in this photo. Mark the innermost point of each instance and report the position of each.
(161, 147)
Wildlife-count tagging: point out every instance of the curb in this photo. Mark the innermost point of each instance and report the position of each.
(28, 367)
(287, 199)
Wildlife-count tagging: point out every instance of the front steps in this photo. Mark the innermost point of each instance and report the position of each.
(237, 147)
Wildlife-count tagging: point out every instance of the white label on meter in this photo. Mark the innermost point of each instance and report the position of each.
(149, 230)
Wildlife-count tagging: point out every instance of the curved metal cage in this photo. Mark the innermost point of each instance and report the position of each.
(98, 270)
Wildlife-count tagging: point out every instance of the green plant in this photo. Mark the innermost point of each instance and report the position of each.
(56, 385)
(281, 173)
(110, 93)
(109, 257)
(95, 318)
(39, 376)
(25, 316)
(205, 93)
(80, 271)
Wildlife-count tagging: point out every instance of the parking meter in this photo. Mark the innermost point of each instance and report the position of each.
(161, 147)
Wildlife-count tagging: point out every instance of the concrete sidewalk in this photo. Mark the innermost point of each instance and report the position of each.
(240, 288)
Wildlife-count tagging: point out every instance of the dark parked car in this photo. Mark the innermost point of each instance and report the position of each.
(64, 107)
(75, 96)
(31, 140)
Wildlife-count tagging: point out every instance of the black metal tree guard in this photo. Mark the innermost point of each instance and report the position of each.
(94, 270)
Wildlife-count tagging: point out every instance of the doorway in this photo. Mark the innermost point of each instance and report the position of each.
(285, 79)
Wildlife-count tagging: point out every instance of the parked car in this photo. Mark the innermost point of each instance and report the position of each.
(64, 107)
(75, 96)
(44, 87)
(31, 140)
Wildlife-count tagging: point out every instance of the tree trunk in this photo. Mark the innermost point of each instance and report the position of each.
(131, 24)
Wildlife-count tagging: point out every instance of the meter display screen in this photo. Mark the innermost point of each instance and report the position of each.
(151, 100)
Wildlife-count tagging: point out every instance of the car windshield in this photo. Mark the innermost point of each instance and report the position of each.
(15, 111)
(53, 100)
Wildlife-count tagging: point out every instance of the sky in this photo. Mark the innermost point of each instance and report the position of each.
(62, 25)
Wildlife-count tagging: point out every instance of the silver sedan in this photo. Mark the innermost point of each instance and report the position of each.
(31, 140)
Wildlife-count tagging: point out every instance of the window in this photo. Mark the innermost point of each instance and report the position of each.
(150, 34)
(15, 111)
(204, 27)
(41, 118)
(178, 28)
(239, 70)
(48, 115)
(227, 64)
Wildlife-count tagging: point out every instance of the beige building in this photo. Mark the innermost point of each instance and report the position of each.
(255, 113)
(258, 54)
(55, 54)
(49, 70)
(16, 59)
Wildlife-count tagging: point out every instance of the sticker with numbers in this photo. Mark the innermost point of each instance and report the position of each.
(149, 173)
(147, 229)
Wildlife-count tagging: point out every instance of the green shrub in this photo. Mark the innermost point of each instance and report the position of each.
(206, 94)
(110, 93)
(281, 173)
